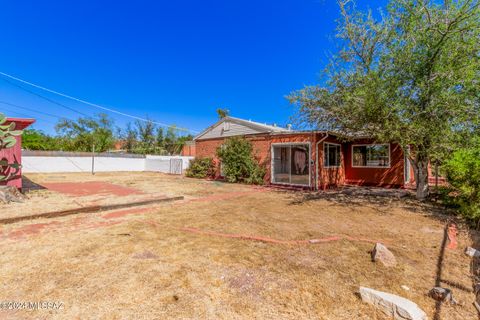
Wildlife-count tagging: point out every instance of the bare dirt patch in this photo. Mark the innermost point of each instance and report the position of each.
(89, 188)
(141, 264)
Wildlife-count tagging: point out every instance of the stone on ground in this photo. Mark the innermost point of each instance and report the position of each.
(382, 254)
(442, 294)
(392, 305)
(10, 194)
(469, 251)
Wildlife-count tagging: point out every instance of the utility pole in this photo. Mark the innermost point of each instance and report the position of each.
(93, 159)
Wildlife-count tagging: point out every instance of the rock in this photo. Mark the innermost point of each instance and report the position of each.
(10, 194)
(394, 306)
(469, 251)
(404, 287)
(442, 294)
(382, 254)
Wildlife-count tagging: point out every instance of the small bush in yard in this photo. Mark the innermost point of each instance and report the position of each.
(201, 168)
(463, 173)
(239, 163)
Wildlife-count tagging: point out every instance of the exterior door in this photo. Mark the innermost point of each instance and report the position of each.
(291, 164)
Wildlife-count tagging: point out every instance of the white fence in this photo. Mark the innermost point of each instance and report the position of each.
(38, 161)
(169, 164)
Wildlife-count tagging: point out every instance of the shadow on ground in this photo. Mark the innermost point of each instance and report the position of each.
(378, 197)
(29, 185)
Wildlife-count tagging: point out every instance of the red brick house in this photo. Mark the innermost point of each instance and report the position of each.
(14, 154)
(311, 159)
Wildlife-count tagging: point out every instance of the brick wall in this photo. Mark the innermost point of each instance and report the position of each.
(327, 177)
(392, 176)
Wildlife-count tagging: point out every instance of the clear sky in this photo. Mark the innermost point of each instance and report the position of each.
(175, 61)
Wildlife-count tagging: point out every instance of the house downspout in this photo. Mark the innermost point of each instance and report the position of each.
(316, 159)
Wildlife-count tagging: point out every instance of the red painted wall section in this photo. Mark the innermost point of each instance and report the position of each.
(386, 177)
(330, 177)
(14, 154)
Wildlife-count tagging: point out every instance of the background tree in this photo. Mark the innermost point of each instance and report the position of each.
(160, 141)
(82, 134)
(146, 137)
(33, 139)
(463, 173)
(129, 137)
(223, 113)
(411, 77)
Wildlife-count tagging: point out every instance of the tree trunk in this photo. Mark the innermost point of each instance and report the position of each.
(420, 168)
(9, 194)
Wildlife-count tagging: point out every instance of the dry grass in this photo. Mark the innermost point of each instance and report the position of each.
(145, 267)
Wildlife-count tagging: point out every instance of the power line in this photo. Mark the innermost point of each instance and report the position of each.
(93, 104)
(45, 98)
(29, 116)
(31, 110)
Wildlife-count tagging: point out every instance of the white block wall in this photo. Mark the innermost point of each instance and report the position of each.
(38, 164)
(80, 164)
(162, 163)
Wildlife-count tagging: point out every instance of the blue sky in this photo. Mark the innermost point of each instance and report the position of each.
(175, 61)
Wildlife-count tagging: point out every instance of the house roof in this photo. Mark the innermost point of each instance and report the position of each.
(21, 123)
(256, 126)
(251, 128)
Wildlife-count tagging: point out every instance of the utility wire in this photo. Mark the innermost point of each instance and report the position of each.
(93, 104)
(45, 98)
(29, 116)
(32, 110)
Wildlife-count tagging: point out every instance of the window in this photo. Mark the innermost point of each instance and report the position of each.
(332, 155)
(373, 155)
(291, 164)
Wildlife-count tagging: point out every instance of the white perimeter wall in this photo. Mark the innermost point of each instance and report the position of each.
(32, 164)
(162, 163)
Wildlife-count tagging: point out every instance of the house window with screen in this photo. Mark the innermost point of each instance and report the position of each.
(332, 155)
(371, 156)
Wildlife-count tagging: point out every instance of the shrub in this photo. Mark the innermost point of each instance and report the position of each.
(463, 173)
(239, 163)
(201, 168)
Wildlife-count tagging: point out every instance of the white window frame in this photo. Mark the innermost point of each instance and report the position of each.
(339, 160)
(272, 176)
(373, 144)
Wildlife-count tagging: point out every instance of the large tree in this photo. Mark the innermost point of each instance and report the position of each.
(84, 133)
(411, 75)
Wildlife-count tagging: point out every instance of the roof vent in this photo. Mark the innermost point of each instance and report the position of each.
(289, 127)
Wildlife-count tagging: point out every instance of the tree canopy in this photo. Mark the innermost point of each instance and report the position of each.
(408, 75)
(84, 133)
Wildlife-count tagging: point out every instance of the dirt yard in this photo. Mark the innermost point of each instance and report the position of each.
(226, 251)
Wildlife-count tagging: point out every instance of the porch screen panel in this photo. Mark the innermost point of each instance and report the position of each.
(291, 164)
(281, 164)
(299, 165)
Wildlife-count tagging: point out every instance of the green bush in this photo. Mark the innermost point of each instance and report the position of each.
(239, 163)
(201, 168)
(463, 174)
